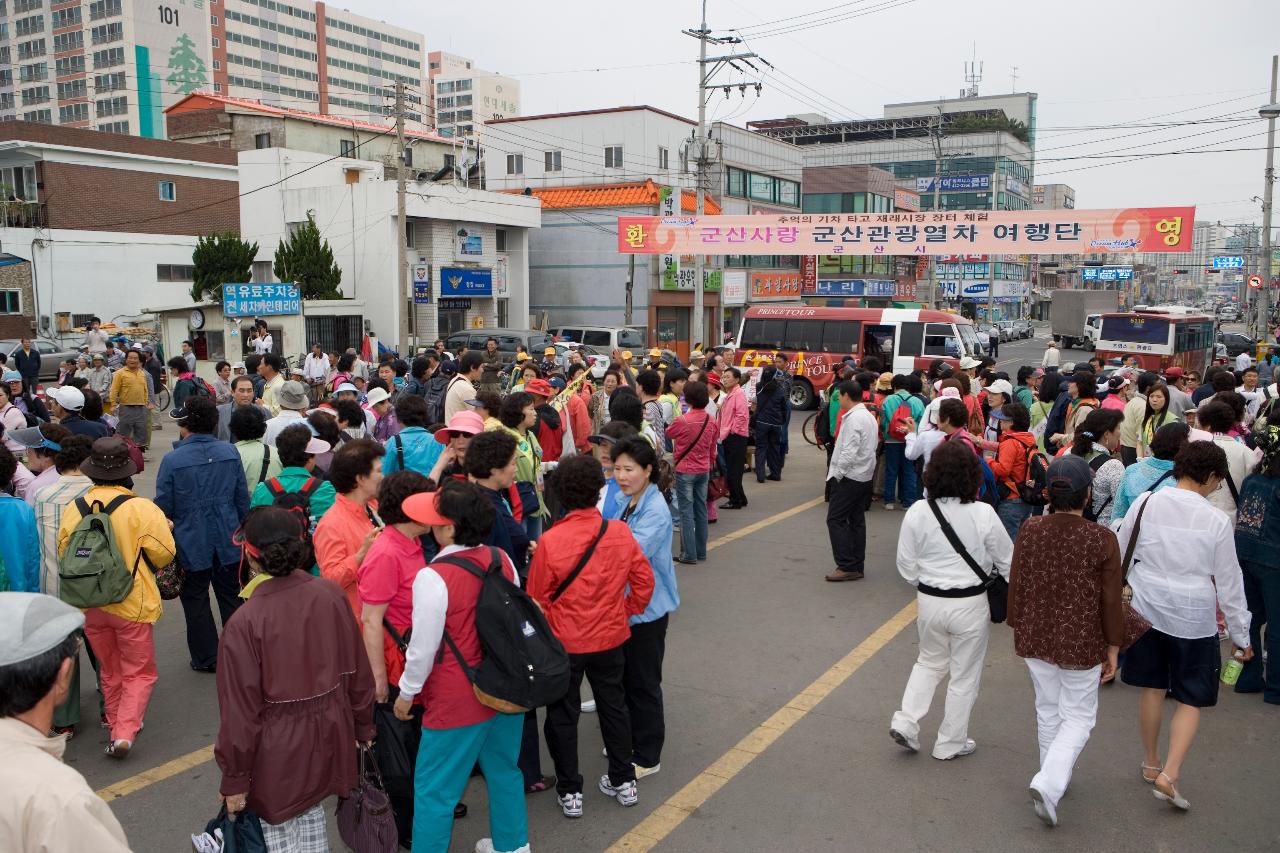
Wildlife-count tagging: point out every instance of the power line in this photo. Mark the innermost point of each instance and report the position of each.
(800, 27)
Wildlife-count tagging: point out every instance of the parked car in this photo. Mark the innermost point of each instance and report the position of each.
(1236, 343)
(604, 338)
(533, 341)
(1008, 330)
(1025, 329)
(52, 354)
(598, 360)
(996, 332)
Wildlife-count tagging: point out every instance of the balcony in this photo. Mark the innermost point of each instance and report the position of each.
(23, 214)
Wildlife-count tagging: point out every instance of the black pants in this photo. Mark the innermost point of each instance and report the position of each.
(768, 450)
(202, 636)
(605, 672)
(530, 759)
(847, 523)
(1128, 455)
(831, 448)
(735, 460)
(995, 347)
(643, 681)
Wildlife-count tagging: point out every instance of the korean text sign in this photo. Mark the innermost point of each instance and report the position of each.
(260, 300)
(1026, 232)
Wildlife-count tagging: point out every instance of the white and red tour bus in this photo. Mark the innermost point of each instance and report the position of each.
(817, 340)
(1158, 339)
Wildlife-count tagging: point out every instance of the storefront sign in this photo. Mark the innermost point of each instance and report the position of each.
(954, 183)
(808, 273)
(453, 303)
(774, 285)
(668, 264)
(684, 276)
(1015, 186)
(977, 291)
(456, 281)
(905, 290)
(874, 288)
(421, 284)
(906, 199)
(734, 291)
(1029, 232)
(469, 245)
(500, 270)
(260, 300)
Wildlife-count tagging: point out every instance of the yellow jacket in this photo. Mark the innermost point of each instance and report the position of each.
(128, 388)
(138, 525)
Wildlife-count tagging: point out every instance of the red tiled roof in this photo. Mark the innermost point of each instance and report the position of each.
(635, 194)
(206, 100)
(592, 113)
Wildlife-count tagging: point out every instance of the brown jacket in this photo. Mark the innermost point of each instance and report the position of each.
(1064, 591)
(296, 693)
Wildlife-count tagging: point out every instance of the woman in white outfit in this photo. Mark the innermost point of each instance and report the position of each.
(954, 620)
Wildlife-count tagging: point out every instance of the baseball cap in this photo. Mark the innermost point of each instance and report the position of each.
(626, 355)
(1069, 474)
(68, 397)
(32, 623)
(713, 379)
(655, 353)
(968, 363)
(317, 445)
(346, 386)
(239, 365)
(557, 382)
(467, 422)
(522, 356)
(539, 388)
(424, 509)
(605, 440)
(11, 376)
(1038, 373)
(549, 351)
(377, 395)
(1000, 415)
(1000, 386)
(1118, 381)
(97, 356)
(1174, 372)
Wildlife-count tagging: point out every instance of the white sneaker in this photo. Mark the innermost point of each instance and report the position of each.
(626, 793)
(571, 805)
(911, 744)
(642, 772)
(485, 845)
(589, 706)
(890, 506)
(1044, 809)
(969, 746)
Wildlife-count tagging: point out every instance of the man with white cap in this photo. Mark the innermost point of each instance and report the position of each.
(67, 403)
(293, 402)
(47, 805)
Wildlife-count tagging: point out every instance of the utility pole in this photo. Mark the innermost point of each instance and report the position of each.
(707, 69)
(408, 311)
(937, 208)
(631, 283)
(1264, 293)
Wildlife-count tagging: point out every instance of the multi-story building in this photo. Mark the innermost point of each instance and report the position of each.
(114, 66)
(103, 223)
(969, 153)
(465, 99)
(441, 62)
(590, 167)
(1053, 197)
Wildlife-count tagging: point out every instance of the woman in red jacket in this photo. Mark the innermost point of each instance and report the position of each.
(588, 610)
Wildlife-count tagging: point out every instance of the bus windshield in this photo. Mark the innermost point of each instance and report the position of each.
(1136, 329)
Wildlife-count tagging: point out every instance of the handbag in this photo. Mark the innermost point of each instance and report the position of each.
(996, 586)
(1135, 624)
(240, 833)
(365, 821)
(717, 487)
(169, 577)
(395, 744)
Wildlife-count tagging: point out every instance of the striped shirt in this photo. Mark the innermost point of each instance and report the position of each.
(49, 504)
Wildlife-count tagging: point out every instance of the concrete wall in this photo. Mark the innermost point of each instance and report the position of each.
(17, 277)
(576, 274)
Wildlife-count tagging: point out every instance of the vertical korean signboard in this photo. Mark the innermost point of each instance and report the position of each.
(172, 57)
(668, 264)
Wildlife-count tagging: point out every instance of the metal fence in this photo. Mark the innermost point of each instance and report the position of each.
(335, 334)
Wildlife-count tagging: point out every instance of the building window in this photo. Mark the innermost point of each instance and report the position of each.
(35, 95)
(216, 43)
(114, 127)
(72, 90)
(217, 65)
(168, 192)
(73, 40)
(663, 159)
(408, 157)
(73, 112)
(105, 33)
(39, 116)
(262, 140)
(68, 65)
(175, 272)
(213, 20)
(613, 157)
(217, 87)
(499, 239)
(104, 9)
(112, 107)
(10, 302)
(346, 148)
(107, 58)
(551, 161)
(515, 164)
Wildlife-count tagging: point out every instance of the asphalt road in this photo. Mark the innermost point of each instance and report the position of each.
(779, 690)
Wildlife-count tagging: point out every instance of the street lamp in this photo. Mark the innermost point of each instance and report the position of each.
(1270, 112)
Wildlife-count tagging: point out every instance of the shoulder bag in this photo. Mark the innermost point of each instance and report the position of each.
(364, 818)
(996, 586)
(1135, 624)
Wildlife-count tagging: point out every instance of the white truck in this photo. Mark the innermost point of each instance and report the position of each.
(1075, 315)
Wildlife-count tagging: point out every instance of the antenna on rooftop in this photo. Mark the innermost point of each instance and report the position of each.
(1013, 79)
(972, 75)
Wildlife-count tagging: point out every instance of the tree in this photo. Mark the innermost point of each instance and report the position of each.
(188, 69)
(970, 123)
(307, 260)
(221, 259)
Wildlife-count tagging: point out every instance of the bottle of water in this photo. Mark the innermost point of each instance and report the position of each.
(1231, 671)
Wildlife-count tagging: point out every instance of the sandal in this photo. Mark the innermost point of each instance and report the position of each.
(1173, 798)
(544, 784)
(1150, 780)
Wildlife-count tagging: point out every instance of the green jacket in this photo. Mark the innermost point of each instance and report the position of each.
(292, 480)
(891, 404)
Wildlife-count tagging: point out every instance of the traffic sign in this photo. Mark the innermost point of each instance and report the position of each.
(1255, 281)
(1228, 262)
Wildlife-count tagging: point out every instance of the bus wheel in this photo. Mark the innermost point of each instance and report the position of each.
(802, 396)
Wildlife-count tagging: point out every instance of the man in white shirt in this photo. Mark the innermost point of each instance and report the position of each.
(262, 343)
(463, 386)
(852, 468)
(1052, 356)
(315, 371)
(1243, 361)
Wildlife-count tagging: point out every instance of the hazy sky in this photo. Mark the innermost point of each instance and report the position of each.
(1094, 65)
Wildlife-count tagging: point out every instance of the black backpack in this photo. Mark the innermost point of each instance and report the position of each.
(299, 500)
(437, 388)
(524, 665)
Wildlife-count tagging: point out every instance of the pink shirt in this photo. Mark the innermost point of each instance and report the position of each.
(387, 573)
(693, 436)
(1114, 401)
(734, 417)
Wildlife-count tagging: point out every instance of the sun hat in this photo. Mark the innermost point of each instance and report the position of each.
(109, 460)
(466, 422)
(98, 355)
(293, 395)
(32, 438)
(1118, 381)
(239, 365)
(11, 376)
(68, 397)
(346, 386)
(377, 395)
(1000, 386)
(424, 509)
(969, 363)
(32, 623)
(884, 382)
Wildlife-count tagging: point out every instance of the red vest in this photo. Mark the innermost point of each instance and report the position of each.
(447, 697)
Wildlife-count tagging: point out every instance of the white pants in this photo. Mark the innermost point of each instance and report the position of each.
(953, 640)
(1066, 709)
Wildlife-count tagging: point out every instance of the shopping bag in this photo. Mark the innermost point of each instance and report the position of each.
(395, 747)
(238, 833)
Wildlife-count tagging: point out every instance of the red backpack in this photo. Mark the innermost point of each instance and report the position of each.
(898, 428)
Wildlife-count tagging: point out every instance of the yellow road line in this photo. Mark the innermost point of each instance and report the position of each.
(133, 784)
(665, 818)
(183, 763)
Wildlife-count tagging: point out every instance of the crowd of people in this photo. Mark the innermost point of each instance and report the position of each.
(1126, 521)
(362, 505)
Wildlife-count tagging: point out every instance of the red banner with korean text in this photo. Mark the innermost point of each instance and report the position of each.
(1026, 232)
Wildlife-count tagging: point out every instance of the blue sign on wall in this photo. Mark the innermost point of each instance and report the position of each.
(882, 288)
(1106, 273)
(1228, 262)
(260, 300)
(457, 281)
(955, 183)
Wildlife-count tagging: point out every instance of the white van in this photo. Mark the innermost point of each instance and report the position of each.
(603, 338)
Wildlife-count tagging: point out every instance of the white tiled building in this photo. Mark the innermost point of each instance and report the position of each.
(466, 99)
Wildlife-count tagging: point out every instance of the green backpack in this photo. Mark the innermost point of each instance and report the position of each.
(92, 572)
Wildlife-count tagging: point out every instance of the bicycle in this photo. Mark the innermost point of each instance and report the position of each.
(808, 429)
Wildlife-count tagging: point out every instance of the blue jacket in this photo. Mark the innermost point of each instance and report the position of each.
(19, 544)
(201, 488)
(651, 525)
(79, 426)
(1258, 524)
(421, 450)
(508, 534)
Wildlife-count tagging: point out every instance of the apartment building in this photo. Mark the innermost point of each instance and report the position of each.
(114, 66)
(466, 99)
